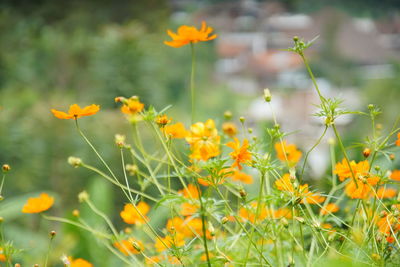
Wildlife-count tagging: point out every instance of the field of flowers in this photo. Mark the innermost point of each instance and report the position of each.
(224, 196)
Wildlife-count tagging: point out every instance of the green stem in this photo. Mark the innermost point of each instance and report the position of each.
(203, 221)
(48, 250)
(192, 89)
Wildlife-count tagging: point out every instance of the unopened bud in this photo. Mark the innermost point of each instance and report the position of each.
(52, 234)
(1, 219)
(227, 115)
(300, 219)
(267, 95)
(243, 193)
(250, 130)
(392, 157)
(74, 161)
(224, 220)
(136, 246)
(377, 168)
(128, 230)
(242, 119)
(295, 38)
(211, 228)
(120, 140)
(83, 196)
(17, 265)
(285, 222)
(367, 152)
(371, 106)
(1, 197)
(331, 141)
(6, 168)
(131, 169)
(118, 99)
(75, 213)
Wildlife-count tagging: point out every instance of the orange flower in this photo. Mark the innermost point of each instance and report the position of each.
(249, 213)
(162, 120)
(240, 153)
(177, 240)
(229, 128)
(389, 224)
(189, 34)
(190, 192)
(343, 170)
(131, 215)
(362, 189)
(188, 209)
(204, 140)
(176, 130)
(242, 177)
(385, 193)
(127, 247)
(132, 106)
(398, 139)
(76, 112)
(279, 213)
(330, 208)
(288, 152)
(179, 225)
(395, 175)
(79, 263)
(2, 256)
(285, 184)
(38, 204)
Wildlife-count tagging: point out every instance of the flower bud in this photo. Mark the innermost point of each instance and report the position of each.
(267, 95)
(75, 213)
(371, 106)
(242, 119)
(367, 152)
(52, 234)
(83, 196)
(224, 220)
(131, 169)
(74, 161)
(6, 168)
(377, 168)
(250, 130)
(120, 140)
(242, 193)
(227, 115)
(331, 141)
(392, 156)
(136, 246)
(295, 38)
(211, 228)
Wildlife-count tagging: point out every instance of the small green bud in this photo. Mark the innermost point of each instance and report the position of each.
(74, 161)
(242, 119)
(267, 95)
(83, 196)
(370, 106)
(228, 115)
(295, 38)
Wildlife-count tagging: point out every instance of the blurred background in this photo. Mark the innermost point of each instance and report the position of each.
(55, 53)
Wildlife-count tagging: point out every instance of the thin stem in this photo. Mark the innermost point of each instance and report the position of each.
(192, 89)
(203, 221)
(48, 250)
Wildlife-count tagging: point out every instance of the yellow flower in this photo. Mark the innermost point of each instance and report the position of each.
(131, 215)
(362, 189)
(176, 130)
(189, 34)
(204, 140)
(38, 204)
(76, 112)
(162, 120)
